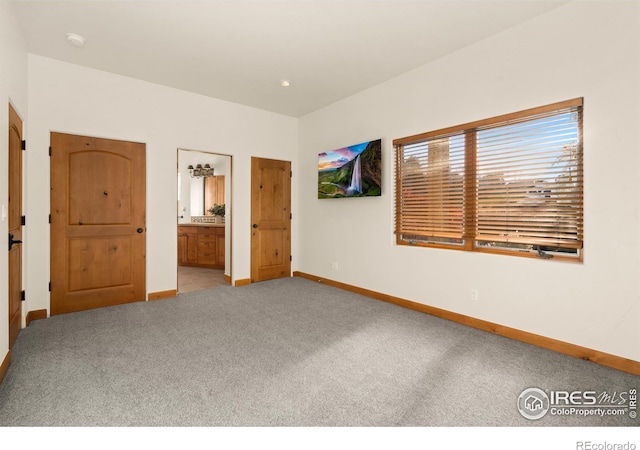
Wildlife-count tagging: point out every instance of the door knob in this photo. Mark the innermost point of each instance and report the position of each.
(255, 225)
(139, 230)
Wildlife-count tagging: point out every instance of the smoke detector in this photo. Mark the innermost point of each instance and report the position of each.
(75, 39)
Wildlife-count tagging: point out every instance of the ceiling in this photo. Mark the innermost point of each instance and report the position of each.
(240, 51)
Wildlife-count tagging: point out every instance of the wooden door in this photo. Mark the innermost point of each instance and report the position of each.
(97, 222)
(270, 219)
(15, 225)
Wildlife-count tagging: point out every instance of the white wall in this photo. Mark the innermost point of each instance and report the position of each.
(13, 89)
(588, 49)
(72, 99)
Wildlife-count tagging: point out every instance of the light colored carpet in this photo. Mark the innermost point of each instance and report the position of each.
(286, 352)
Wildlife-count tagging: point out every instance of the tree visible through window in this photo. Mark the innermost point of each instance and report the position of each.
(510, 184)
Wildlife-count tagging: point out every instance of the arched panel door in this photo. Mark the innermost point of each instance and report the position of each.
(97, 222)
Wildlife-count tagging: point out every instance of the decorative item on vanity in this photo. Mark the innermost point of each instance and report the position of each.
(353, 171)
(218, 211)
(200, 171)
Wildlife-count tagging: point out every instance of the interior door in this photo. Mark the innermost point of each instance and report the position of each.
(271, 219)
(97, 222)
(15, 225)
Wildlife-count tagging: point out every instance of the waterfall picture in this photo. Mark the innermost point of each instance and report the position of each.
(353, 171)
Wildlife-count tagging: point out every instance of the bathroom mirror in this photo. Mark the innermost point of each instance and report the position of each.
(197, 194)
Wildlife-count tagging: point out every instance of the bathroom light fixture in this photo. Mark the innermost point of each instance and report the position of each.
(75, 39)
(200, 172)
(285, 83)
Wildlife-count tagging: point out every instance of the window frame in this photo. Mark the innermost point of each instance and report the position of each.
(469, 131)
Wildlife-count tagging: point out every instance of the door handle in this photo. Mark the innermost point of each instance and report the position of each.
(139, 230)
(255, 225)
(13, 241)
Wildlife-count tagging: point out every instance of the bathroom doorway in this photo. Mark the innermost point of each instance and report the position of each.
(204, 238)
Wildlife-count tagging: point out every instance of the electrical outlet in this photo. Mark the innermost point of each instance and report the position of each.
(474, 295)
(334, 266)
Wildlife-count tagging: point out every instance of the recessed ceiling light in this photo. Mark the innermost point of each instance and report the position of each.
(285, 83)
(75, 39)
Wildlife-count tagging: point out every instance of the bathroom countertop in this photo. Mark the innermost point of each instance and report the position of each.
(202, 224)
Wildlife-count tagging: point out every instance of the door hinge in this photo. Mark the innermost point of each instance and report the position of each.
(49, 150)
(49, 218)
(290, 216)
(23, 220)
(49, 286)
(290, 257)
(23, 296)
(24, 145)
(291, 174)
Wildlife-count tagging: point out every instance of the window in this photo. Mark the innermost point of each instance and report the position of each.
(511, 184)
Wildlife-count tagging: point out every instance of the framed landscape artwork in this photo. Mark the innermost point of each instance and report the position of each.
(353, 171)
